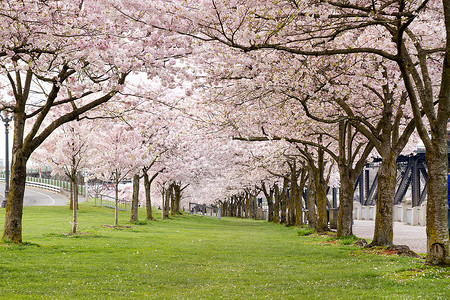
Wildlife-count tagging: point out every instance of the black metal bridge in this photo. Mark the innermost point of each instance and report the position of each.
(411, 177)
(411, 182)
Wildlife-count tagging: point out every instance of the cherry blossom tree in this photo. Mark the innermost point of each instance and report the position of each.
(413, 35)
(262, 101)
(118, 156)
(58, 61)
(67, 151)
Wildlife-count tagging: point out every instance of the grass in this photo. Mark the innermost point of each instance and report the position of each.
(193, 257)
(305, 231)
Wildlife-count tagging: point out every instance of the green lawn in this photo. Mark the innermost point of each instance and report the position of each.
(193, 257)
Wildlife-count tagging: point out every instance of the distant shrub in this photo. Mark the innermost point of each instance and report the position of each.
(347, 240)
(144, 222)
(304, 231)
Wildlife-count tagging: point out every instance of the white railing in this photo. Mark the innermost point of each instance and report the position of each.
(40, 185)
(44, 186)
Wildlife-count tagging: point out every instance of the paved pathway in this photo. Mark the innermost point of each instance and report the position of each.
(413, 236)
(35, 196)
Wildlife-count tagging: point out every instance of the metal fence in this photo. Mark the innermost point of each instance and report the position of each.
(41, 185)
(109, 201)
(202, 209)
(50, 184)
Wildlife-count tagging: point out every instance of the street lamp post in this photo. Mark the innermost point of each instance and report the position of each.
(6, 120)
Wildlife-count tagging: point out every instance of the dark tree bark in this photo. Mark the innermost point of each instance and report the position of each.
(75, 205)
(247, 204)
(349, 171)
(295, 212)
(135, 199)
(254, 204)
(14, 208)
(298, 199)
(269, 197)
(387, 179)
(167, 200)
(276, 210)
(345, 214)
(225, 208)
(320, 186)
(177, 199)
(148, 200)
(283, 198)
(172, 199)
(71, 194)
(116, 200)
(312, 217)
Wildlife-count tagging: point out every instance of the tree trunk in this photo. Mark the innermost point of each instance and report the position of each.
(284, 201)
(72, 174)
(387, 180)
(135, 200)
(321, 193)
(225, 208)
(349, 171)
(177, 191)
(298, 199)
(345, 218)
(321, 199)
(290, 220)
(283, 209)
(172, 199)
(276, 210)
(75, 205)
(345, 214)
(247, 204)
(270, 206)
(116, 202)
(438, 251)
(437, 207)
(71, 194)
(14, 208)
(293, 197)
(163, 200)
(168, 200)
(269, 198)
(148, 199)
(240, 207)
(312, 219)
(254, 205)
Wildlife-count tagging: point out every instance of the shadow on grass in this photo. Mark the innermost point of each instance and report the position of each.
(74, 235)
(145, 222)
(21, 246)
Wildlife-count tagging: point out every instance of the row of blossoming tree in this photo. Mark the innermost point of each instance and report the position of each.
(280, 94)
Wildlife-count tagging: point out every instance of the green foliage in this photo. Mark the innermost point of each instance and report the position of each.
(193, 257)
(305, 231)
(347, 240)
(75, 236)
(143, 222)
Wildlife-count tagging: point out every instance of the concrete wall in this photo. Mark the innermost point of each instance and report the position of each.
(404, 213)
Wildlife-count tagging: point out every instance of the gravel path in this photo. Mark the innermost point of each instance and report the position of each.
(413, 236)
